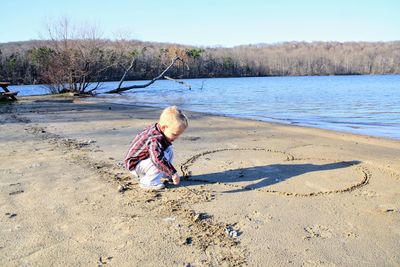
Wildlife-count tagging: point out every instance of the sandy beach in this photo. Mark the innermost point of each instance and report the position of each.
(254, 193)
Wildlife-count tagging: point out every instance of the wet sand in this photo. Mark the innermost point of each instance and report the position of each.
(254, 193)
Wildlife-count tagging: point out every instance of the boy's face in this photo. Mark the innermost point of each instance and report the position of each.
(172, 133)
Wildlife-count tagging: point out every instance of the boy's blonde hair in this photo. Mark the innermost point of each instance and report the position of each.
(174, 117)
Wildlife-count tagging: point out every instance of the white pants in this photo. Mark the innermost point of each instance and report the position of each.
(148, 173)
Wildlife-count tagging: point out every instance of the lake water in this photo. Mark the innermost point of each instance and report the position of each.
(359, 104)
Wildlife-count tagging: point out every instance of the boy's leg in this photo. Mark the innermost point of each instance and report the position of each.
(148, 172)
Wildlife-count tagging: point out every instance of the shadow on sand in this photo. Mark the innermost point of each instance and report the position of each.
(267, 175)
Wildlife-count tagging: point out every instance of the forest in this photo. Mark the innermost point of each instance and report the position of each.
(61, 61)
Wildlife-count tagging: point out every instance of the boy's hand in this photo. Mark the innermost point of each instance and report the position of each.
(176, 179)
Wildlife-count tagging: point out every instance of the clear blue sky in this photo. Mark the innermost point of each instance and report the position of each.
(210, 22)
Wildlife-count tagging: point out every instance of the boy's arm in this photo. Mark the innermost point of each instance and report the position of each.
(157, 157)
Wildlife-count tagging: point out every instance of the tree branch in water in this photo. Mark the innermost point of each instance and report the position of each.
(161, 75)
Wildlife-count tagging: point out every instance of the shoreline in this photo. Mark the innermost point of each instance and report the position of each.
(260, 120)
(256, 193)
(375, 116)
(272, 123)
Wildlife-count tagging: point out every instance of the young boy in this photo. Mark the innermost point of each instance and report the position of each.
(150, 153)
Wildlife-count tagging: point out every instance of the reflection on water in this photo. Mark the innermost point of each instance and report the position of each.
(359, 104)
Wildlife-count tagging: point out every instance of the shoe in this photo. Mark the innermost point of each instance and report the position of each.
(152, 187)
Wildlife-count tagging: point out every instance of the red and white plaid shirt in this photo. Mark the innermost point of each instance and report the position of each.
(150, 143)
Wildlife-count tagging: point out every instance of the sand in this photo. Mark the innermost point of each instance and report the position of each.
(254, 194)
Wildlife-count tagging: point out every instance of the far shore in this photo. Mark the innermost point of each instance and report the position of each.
(254, 193)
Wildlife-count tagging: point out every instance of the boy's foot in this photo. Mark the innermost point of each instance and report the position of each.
(152, 187)
(165, 180)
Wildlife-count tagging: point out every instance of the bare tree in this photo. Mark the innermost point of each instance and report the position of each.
(73, 60)
(68, 63)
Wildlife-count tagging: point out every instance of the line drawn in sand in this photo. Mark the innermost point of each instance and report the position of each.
(273, 171)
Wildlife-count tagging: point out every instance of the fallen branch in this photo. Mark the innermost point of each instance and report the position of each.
(126, 72)
(180, 82)
(161, 75)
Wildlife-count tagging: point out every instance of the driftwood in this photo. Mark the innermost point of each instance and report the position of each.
(180, 82)
(126, 72)
(160, 76)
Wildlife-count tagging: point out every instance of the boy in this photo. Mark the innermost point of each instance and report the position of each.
(150, 153)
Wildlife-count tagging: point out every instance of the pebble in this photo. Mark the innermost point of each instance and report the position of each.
(390, 210)
(121, 188)
(35, 165)
(231, 233)
(169, 219)
(11, 215)
(197, 217)
(187, 241)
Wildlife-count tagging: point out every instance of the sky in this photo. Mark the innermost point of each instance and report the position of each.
(224, 23)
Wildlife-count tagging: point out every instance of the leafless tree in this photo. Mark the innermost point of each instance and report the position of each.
(73, 59)
(77, 62)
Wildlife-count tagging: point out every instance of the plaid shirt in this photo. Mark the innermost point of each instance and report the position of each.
(150, 143)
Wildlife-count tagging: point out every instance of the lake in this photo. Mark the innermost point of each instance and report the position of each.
(367, 104)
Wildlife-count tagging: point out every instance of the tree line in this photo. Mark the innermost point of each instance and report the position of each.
(79, 62)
